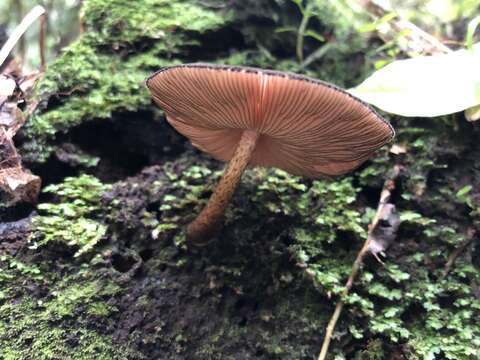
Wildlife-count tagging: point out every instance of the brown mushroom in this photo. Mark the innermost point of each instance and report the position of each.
(250, 116)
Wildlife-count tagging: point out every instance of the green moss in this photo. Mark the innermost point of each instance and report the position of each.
(51, 306)
(119, 24)
(104, 71)
(50, 315)
(71, 297)
(57, 308)
(72, 220)
(27, 328)
(268, 284)
(305, 235)
(405, 302)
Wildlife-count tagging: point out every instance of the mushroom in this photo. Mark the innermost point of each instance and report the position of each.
(250, 116)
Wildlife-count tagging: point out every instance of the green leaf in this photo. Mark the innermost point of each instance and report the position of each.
(409, 216)
(372, 26)
(464, 191)
(472, 27)
(315, 35)
(286, 29)
(426, 85)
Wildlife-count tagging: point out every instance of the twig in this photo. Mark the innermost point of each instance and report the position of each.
(306, 13)
(19, 31)
(456, 253)
(41, 41)
(417, 40)
(19, 12)
(453, 257)
(385, 195)
(317, 54)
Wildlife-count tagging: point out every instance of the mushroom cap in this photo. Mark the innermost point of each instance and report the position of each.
(308, 127)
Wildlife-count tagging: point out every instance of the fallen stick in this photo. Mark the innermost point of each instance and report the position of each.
(27, 21)
(457, 252)
(41, 41)
(385, 196)
(416, 39)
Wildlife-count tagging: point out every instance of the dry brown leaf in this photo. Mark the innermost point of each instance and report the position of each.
(17, 185)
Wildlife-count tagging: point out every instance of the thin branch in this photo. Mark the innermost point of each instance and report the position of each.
(385, 195)
(416, 39)
(41, 41)
(28, 20)
(457, 252)
(19, 12)
(306, 13)
(317, 54)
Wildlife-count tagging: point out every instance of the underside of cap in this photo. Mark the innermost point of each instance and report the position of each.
(308, 127)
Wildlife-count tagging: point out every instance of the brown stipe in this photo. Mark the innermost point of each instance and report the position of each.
(302, 125)
(209, 221)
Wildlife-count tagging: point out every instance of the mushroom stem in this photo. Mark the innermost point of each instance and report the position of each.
(209, 221)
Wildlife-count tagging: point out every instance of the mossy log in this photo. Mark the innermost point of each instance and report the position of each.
(100, 269)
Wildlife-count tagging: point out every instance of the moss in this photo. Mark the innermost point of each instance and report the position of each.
(304, 234)
(121, 25)
(321, 219)
(52, 315)
(268, 284)
(410, 301)
(240, 285)
(51, 306)
(72, 219)
(104, 71)
(319, 226)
